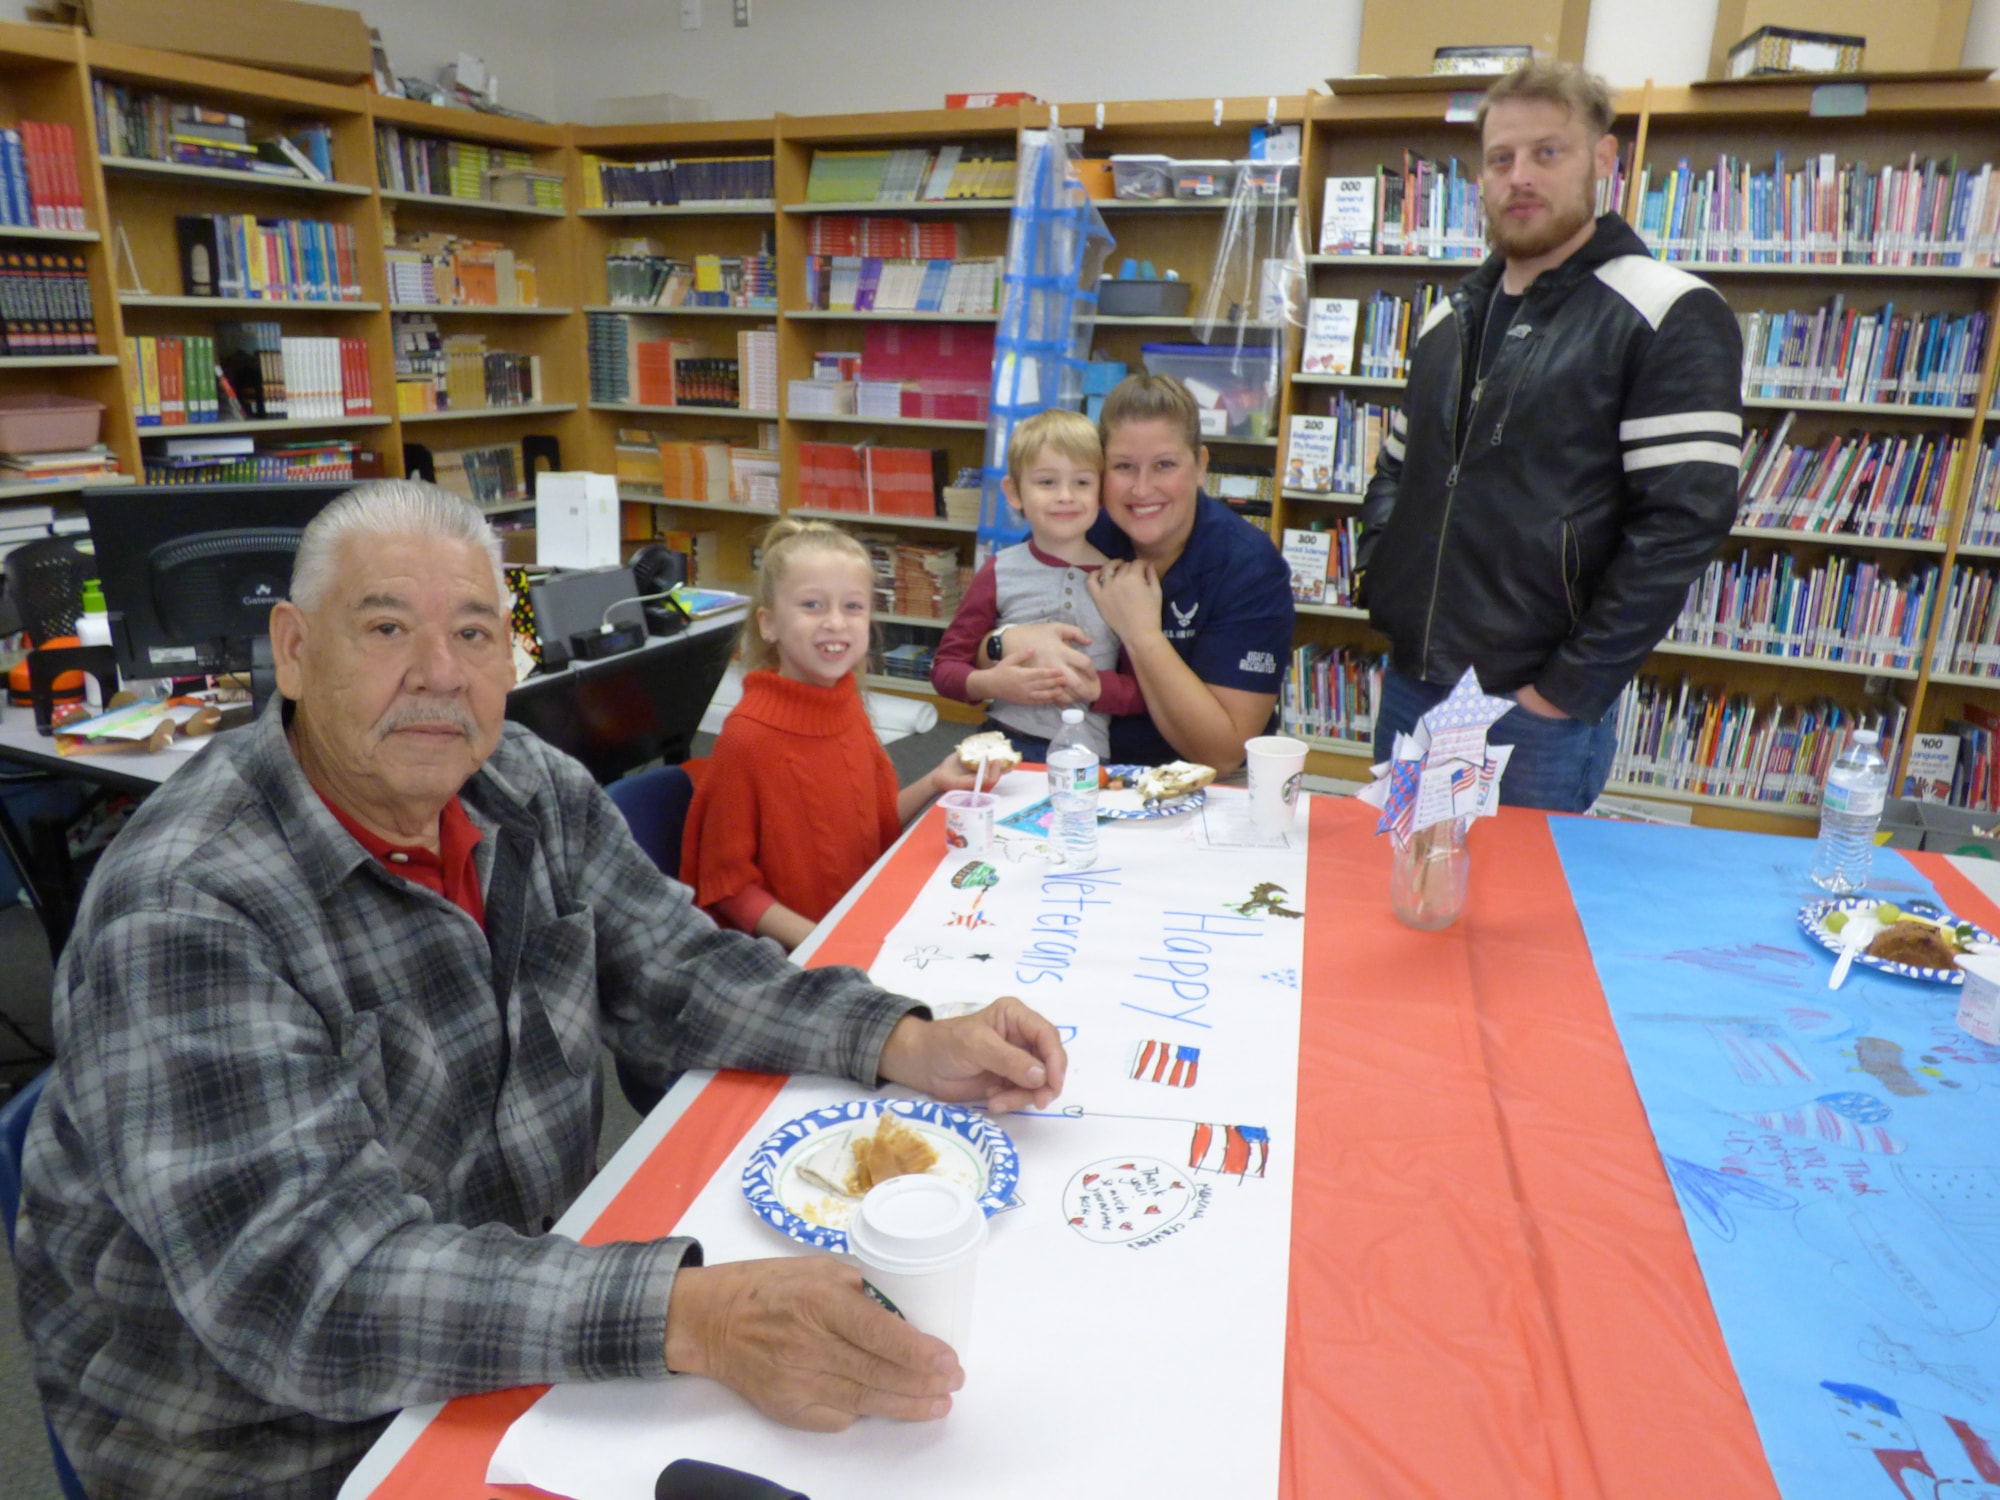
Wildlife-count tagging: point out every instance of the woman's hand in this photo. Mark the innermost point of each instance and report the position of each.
(1128, 595)
(1021, 679)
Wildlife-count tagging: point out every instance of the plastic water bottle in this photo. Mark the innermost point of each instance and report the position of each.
(1073, 793)
(1857, 784)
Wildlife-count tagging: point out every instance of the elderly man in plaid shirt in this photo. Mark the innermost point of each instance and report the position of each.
(329, 1031)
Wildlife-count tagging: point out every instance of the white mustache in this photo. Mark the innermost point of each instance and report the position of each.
(414, 713)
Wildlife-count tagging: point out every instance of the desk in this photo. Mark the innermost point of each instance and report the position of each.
(613, 715)
(1493, 1291)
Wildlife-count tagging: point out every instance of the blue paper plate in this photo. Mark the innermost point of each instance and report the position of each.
(971, 1149)
(1813, 915)
(1170, 809)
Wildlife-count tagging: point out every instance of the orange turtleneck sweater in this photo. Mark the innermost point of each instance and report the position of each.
(796, 802)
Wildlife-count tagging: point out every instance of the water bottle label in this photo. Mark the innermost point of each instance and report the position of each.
(1066, 779)
(1861, 801)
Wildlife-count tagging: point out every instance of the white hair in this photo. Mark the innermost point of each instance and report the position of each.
(385, 508)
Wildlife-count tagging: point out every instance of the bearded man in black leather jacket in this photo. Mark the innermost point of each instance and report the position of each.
(1565, 461)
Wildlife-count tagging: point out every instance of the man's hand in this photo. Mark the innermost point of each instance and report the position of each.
(1532, 700)
(1128, 595)
(1004, 1057)
(800, 1340)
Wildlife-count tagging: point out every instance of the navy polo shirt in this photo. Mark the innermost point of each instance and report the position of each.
(1226, 605)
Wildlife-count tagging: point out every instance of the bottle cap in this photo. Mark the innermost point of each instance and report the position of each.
(93, 597)
(1866, 736)
(1072, 716)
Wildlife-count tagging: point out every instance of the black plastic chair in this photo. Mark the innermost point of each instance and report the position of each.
(14, 1117)
(655, 805)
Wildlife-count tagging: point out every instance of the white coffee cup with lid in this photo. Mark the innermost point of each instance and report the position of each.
(917, 1239)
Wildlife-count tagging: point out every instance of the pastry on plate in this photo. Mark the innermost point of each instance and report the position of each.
(1176, 779)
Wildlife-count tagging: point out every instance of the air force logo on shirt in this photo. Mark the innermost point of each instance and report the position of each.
(1258, 661)
(1183, 626)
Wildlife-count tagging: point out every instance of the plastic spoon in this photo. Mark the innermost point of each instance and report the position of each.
(1856, 935)
(978, 776)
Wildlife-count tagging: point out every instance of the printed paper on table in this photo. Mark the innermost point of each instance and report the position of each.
(1157, 1198)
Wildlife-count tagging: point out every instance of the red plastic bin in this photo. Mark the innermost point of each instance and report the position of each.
(47, 424)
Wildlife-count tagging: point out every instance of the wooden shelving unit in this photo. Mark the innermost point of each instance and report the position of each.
(46, 74)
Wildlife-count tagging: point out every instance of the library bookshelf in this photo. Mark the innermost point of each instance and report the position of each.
(48, 74)
(1661, 129)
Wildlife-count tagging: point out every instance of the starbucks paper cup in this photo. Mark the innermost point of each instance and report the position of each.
(917, 1240)
(1276, 763)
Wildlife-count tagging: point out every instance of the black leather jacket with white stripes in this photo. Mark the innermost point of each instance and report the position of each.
(1550, 537)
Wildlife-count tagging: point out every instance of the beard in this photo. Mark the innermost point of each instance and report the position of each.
(1525, 241)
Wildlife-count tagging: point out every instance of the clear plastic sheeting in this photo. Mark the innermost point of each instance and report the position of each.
(1056, 246)
(1258, 282)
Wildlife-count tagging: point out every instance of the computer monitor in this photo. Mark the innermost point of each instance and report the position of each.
(190, 572)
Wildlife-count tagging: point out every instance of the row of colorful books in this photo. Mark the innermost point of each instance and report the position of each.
(666, 181)
(1836, 353)
(1961, 766)
(1927, 212)
(625, 367)
(407, 163)
(45, 304)
(223, 460)
(1423, 208)
(1875, 484)
(148, 126)
(884, 236)
(864, 479)
(247, 371)
(715, 471)
(39, 187)
(1968, 638)
(1684, 736)
(447, 270)
(241, 255)
(458, 372)
(911, 174)
(1841, 610)
(654, 280)
(1332, 692)
(855, 283)
(1335, 454)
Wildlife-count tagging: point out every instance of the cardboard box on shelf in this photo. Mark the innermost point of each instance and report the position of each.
(1399, 38)
(1771, 50)
(287, 36)
(1914, 36)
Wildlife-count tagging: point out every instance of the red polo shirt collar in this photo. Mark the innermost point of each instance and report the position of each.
(451, 871)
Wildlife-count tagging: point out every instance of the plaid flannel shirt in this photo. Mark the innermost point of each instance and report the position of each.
(294, 1168)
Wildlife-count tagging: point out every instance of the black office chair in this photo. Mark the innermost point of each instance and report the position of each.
(14, 1117)
(655, 805)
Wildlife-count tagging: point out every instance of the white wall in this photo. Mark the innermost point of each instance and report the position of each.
(834, 56)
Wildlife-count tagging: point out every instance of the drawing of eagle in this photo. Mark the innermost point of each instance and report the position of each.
(1265, 896)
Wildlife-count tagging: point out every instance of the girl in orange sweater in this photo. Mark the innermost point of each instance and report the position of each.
(798, 798)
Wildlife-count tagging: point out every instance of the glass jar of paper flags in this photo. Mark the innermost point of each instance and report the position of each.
(1436, 781)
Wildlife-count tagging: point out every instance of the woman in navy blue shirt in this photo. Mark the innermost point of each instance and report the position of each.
(1199, 597)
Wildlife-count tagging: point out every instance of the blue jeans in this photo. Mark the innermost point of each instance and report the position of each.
(1558, 765)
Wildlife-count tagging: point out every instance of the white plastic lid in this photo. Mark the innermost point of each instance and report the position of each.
(1072, 716)
(1866, 736)
(917, 1224)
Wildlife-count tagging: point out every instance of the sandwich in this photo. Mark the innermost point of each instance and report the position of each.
(1176, 779)
(992, 747)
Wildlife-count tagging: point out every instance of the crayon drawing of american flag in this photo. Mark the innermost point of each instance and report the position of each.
(1165, 1062)
(1234, 1150)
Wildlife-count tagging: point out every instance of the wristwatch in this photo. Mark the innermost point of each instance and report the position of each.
(994, 644)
